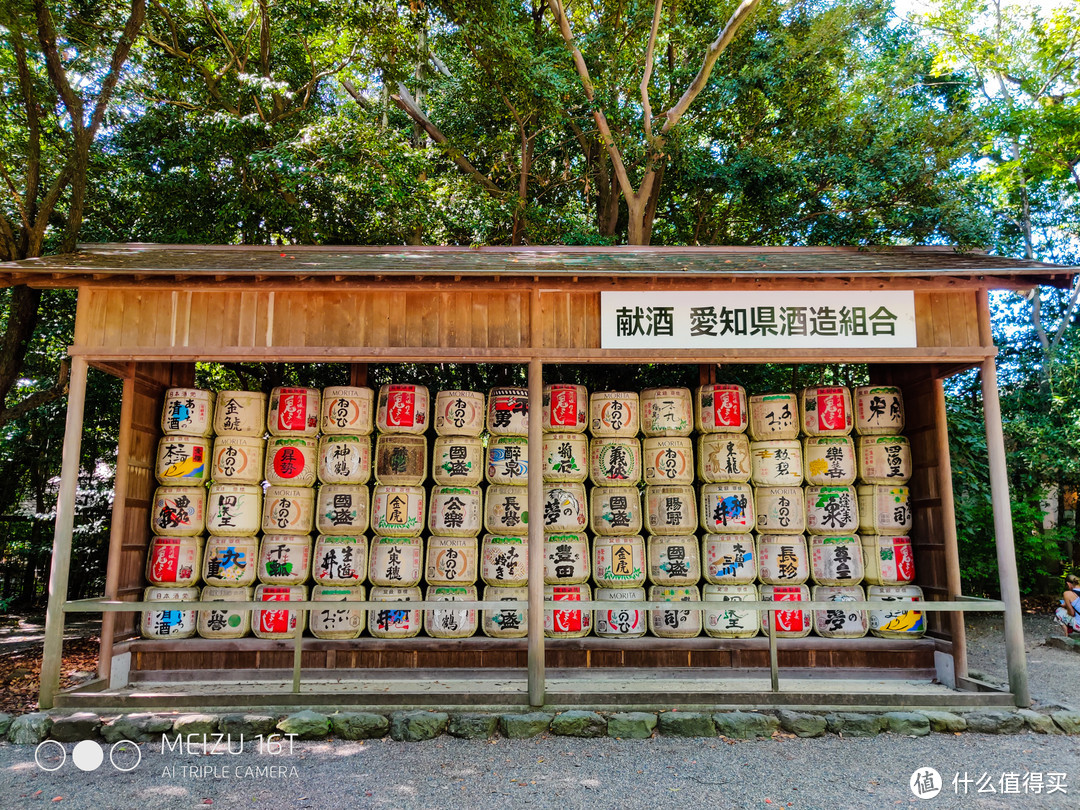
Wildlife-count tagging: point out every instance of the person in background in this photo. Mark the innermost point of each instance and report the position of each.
(1068, 615)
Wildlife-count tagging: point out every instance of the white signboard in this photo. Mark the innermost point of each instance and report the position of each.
(717, 319)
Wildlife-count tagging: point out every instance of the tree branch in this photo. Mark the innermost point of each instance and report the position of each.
(116, 64)
(404, 100)
(350, 88)
(39, 398)
(646, 76)
(1067, 317)
(716, 48)
(47, 38)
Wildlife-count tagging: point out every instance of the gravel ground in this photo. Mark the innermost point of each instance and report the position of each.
(1053, 674)
(827, 773)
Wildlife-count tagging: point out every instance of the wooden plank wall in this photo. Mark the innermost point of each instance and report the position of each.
(151, 381)
(116, 319)
(927, 535)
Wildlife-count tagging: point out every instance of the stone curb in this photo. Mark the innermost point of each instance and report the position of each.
(412, 726)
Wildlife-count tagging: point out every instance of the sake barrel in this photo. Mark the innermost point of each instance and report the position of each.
(344, 459)
(397, 511)
(901, 621)
(614, 413)
(230, 562)
(507, 623)
(451, 560)
(337, 622)
(291, 461)
(829, 460)
(723, 458)
(776, 463)
(238, 460)
(727, 508)
(832, 510)
(342, 509)
(451, 623)
(567, 560)
(668, 460)
(187, 412)
(179, 511)
(504, 560)
(782, 559)
(339, 559)
(667, 412)
(566, 408)
(459, 413)
(836, 560)
(619, 562)
(279, 622)
(391, 622)
(288, 510)
(234, 509)
(456, 511)
(627, 621)
(240, 413)
(181, 461)
(721, 409)
(508, 460)
(730, 559)
(401, 459)
(566, 457)
(789, 622)
(674, 622)
(174, 562)
(396, 562)
(889, 559)
(225, 622)
(730, 622)
(347, 411)
(774, 417)
(565, 507)
(403, 408)
(879, 410)
(506, 509)
(826, 411)
(884, 509)
(293, 412)
(615, 510)
(284, 559)
(564, 622)
(671, 510)
(614, 461)
(508, 412)
(169, 624)
(457, 461)
(841, 621)
(674, 560)
(884, 459)
(780, 510)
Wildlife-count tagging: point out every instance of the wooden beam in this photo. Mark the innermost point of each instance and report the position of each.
(1015, 655)
(52, 655)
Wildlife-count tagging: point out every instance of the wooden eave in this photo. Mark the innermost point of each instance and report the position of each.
(435, 267)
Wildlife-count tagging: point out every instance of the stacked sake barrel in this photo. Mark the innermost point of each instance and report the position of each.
(398, 513)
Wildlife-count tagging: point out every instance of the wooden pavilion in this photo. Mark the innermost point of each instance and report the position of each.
(147, 313)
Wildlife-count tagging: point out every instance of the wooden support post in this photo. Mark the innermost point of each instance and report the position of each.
(774, 666)
(52, 656)
(1015, 656)
(298, 652)
(358, 375)
(536, 535)
(119, 518)
(948, 530)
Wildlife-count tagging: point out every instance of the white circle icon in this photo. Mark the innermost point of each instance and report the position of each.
(125, 755)
(50, 755)
(925, 783)
(87, 755)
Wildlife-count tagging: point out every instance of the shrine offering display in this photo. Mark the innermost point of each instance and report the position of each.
(776, 494)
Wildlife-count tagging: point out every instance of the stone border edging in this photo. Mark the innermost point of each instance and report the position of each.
(417, 725)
